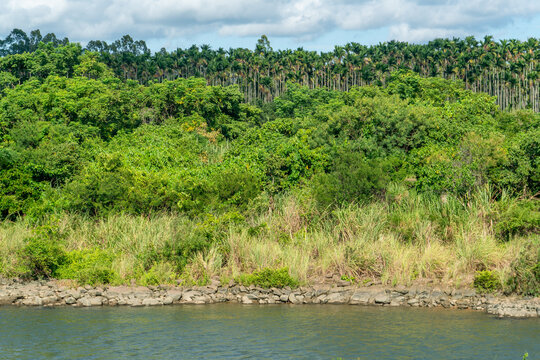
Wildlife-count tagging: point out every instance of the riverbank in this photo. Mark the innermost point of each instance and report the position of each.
(56, 293)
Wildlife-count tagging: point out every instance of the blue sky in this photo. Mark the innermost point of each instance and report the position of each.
(312, 24)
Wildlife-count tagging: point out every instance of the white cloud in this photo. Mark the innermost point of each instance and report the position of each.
(409, 20)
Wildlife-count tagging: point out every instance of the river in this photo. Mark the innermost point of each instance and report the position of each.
(233, 331)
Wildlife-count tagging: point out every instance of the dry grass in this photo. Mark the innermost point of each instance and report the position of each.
(397, 241)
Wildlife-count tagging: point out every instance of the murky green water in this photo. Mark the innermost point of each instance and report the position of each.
(231, 331)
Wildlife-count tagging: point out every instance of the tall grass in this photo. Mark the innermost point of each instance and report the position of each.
(403, 238)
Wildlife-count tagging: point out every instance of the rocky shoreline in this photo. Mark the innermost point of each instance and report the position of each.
(53, 293)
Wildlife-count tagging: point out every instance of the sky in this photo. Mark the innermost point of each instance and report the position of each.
(311, 24)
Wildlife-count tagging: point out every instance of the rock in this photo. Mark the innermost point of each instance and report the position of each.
(360, 297)
(90, 301)
(175, 295)
(168, 300)
(134, 302)
(84, 301)
(336, 298)
(276, 291)
(32, 301)
(246, 300)
(294, 298)
(462, 304)
(401, 289)
(151, 302)
(201, 300)
(189, 295)
(49, 300)
(468, 293)
(7, 299)
(397, 301)
(74, 293)
(382, 298)
(70, 300)
(252, 297)
(94, 292)
(284, 298)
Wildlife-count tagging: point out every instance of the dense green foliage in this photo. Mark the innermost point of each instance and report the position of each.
(486, 281)
(507, 69)
(525, 278)
(268, 278)
(76, 139)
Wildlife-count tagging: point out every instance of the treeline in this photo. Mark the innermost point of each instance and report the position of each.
(507, 69)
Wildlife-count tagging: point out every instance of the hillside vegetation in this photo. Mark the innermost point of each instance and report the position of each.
(111, 181)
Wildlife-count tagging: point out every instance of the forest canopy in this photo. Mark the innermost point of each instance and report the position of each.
(507, 69)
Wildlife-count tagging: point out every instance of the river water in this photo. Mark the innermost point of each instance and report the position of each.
(233, 331)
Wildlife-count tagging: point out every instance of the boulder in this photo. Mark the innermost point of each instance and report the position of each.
(337, 298)
(382, 298)
(151, 302)
(360, 297)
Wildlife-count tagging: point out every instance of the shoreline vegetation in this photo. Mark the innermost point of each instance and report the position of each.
(107, 181)
(361, 243)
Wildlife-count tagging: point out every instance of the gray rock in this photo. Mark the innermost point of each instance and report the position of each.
(134, 302)
(90, 301)
(293, 300)
(189, 295)
(382, 298)
(151, 302)
(401, 289)
(168, 300)
(337, 298)
(49, 300)
(176, 295)
(201, 300)
(7, 299)
(360, 297)
(32, 301)
(74, 293)
(70, 300)
(84, 301)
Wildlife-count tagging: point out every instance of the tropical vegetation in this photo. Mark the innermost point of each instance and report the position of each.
(507, 69)
(105, 179)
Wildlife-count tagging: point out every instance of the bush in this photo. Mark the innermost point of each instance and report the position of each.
(525, 277)
(162, 273)
(486, 281)
(353, 178)
(517, 218)
(268, 278)
(91, 266)
(42, 256)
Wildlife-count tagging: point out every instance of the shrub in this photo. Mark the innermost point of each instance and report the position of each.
(162, 273)
(268, 278)
(353, 178)
(486, 281)
(91, 266)
(525, 277)
(42, 256)
(517, 218)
